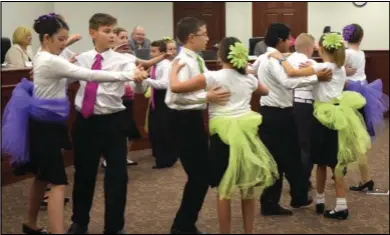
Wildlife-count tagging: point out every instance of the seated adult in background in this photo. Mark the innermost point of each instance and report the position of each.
(138, 40)
(20, 54)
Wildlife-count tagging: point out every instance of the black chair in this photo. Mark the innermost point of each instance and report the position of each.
(252, 44)
(143, 53)
(209, 55)
(5, 46)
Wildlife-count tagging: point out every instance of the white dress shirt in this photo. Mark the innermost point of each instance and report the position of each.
(109, 95)
(192, 100)
(50, 70)
(241, 88)
(295, 60)
(281, 87)
(16, 57)
(357, 60)
(326, 91)
(161, 80)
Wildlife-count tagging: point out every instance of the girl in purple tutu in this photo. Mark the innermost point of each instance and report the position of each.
(34, 127)
(377, 103)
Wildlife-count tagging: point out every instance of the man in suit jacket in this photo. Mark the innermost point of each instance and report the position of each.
(138, 39)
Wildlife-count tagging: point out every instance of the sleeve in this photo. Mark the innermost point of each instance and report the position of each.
(188, 98)
(161, 83)
(278, 74)
(253, 82)
(14, 58)
(318, 66)
(256, 65)
(62, 68)
(210, 77)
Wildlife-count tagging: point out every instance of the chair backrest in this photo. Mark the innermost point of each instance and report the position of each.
(209, 55)
(252, 44)
(143, 53)
(5, 46)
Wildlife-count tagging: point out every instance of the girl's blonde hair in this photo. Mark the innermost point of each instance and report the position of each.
(20, 34)
(119, 30)
(336, 55)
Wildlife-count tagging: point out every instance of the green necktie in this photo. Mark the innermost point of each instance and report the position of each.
(200, 63)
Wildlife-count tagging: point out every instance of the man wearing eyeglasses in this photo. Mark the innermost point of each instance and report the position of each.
(138, 39)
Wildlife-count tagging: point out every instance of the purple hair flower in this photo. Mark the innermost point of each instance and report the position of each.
(348, 32)
(45, 17)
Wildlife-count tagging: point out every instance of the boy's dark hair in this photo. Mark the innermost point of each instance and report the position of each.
(357, 34)
(224, 50)
(187, 26)
(162, 46)
(275, 33)
(49, 24)
(101, 19)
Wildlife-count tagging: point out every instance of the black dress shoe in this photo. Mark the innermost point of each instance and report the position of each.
(277, 210)
(301, 204)
(28, 230)
(369, 185)
(341, 215)
(77, 229)
(320, 208)
(178, 231)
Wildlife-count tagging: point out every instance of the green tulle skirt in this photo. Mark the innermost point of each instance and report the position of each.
(251, 167)
(342, 114)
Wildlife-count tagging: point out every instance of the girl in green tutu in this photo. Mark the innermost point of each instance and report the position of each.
(238, 158)
(339, 135)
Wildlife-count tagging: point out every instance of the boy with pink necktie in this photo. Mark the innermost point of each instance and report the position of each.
(99, 129)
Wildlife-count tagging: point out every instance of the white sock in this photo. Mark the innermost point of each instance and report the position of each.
(341, 204)
(320, 198)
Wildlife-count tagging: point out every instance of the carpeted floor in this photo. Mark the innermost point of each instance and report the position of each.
(154, 196)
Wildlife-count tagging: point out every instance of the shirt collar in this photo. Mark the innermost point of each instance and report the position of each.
(271, 49)
(105, 55)
(301, 55)
(189, 52)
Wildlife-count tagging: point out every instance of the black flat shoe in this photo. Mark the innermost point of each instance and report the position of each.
(369, 185)
(320, 208)
(278, 210)
(341, 215)
(301, 204)
(28, 230)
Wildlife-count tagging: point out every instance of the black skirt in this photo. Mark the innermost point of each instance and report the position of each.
(324, 145)
(131, 130)
(46, 160)
(219, 159)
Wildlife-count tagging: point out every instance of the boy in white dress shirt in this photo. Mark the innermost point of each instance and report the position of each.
(303, 99)
(99, 130)
(278, 130)
(186, 122)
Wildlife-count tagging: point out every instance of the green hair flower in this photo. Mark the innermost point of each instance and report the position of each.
(238, 55)
(332, 41)
(167, 39)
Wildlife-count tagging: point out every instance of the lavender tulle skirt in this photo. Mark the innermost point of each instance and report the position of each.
(377, 103)
(15, 123)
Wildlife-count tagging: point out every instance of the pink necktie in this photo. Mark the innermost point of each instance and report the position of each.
(153, 76)
(129, 93)
(91, 91)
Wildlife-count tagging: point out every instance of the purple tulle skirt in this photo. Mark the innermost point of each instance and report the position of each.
(377, 104)
(20, 108)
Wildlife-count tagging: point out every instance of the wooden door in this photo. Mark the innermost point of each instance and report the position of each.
(213, 13)
(293, 14)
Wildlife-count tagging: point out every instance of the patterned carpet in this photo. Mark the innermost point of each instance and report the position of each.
(154, 196)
